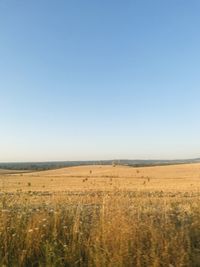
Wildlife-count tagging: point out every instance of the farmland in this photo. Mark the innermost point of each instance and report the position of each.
(101, 216)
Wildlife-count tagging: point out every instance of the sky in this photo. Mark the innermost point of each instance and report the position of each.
(93, 80)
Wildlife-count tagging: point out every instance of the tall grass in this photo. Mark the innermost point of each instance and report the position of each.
(100, 229)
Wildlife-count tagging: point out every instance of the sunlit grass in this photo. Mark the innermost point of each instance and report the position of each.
(100, 229)
(101, 216)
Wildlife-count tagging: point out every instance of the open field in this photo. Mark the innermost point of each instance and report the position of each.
(101, 216)
(184, 177)
(5, 171)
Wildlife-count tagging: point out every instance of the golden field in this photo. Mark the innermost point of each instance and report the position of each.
(101, 216)
(166, 178)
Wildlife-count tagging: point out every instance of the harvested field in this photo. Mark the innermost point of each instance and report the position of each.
(101, 216)
(184, 177)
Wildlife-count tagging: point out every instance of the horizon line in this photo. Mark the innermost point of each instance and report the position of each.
(102, 160)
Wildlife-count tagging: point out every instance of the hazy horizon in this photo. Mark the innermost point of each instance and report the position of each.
(98, 80)
(108, 159)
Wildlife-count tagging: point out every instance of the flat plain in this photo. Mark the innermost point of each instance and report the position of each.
(101, 216)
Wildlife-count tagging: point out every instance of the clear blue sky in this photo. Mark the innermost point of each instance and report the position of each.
(99, 79)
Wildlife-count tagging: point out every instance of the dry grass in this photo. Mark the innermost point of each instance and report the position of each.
(101, 216)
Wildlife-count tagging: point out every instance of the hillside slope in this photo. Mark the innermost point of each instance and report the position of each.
(96, 177)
